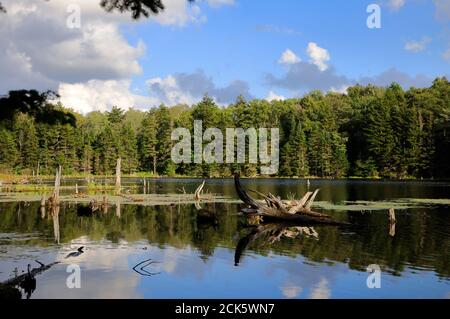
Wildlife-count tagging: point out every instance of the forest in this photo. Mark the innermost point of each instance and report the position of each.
(368, 132)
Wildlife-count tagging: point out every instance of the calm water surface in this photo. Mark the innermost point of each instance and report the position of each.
(184, 252)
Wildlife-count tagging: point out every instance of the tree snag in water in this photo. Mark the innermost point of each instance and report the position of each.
(198, 191)
(274, 208)
(54, 199)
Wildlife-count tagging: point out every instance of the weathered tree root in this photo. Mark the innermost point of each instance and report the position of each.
(274, 209)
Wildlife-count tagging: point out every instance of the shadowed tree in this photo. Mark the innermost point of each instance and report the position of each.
(138, 8)
(38, 105)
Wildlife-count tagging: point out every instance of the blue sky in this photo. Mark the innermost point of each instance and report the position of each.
(221, 47)
(244, 41)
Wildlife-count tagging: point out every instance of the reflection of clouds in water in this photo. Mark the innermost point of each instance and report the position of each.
(169, 259)
(321, 290)
(182, 262)
(291, 291)
(315, 277)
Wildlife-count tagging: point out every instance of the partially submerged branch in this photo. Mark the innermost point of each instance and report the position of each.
(274, 208)
(198, 191)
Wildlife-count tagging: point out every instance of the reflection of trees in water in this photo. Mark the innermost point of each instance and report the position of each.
(421, 236)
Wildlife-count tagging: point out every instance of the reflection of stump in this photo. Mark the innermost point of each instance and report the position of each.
(392, 219)
(392, 229)
(55, 216)
(392, 222)
(118, 180)
(105, 205)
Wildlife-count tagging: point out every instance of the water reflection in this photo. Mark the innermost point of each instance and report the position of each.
(195, 249)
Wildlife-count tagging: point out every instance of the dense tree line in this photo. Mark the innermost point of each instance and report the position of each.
(367, 132)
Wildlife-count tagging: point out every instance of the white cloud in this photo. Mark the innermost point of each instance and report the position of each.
(417, 46)
(289, 57)
(291, 292)
(342, 89)
(318, 56)
(169, 92)
(321, 290)
(446, 55)
(396, 4)
(189, 88)
(179, 13)
(37, 35)
(91, 66)
(442, 10)
(218, 3)
(272, 96)
(101, 96)
(276, 29)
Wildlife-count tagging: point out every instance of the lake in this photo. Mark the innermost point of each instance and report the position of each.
(211, 251)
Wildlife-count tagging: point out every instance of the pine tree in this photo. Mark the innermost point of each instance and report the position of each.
(148, 142)
(8, 150)
(128, 152)
(164, 164)
(27, 141)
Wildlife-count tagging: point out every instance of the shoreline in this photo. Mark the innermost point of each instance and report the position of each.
(7, 179)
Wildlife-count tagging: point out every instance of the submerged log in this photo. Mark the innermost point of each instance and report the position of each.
(272, 208)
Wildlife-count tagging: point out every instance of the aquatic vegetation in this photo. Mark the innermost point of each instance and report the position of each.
(397, 204)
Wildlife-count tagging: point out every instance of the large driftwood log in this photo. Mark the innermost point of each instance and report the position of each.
(273, 208)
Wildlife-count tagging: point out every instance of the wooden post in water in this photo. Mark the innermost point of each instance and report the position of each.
(76, 188)
(118, 181)
(145, 186)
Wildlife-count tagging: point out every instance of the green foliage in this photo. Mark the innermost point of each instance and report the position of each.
(368, 132)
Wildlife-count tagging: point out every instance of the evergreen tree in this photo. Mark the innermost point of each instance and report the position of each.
(27, 141)
(148, 142)
(8, 150)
